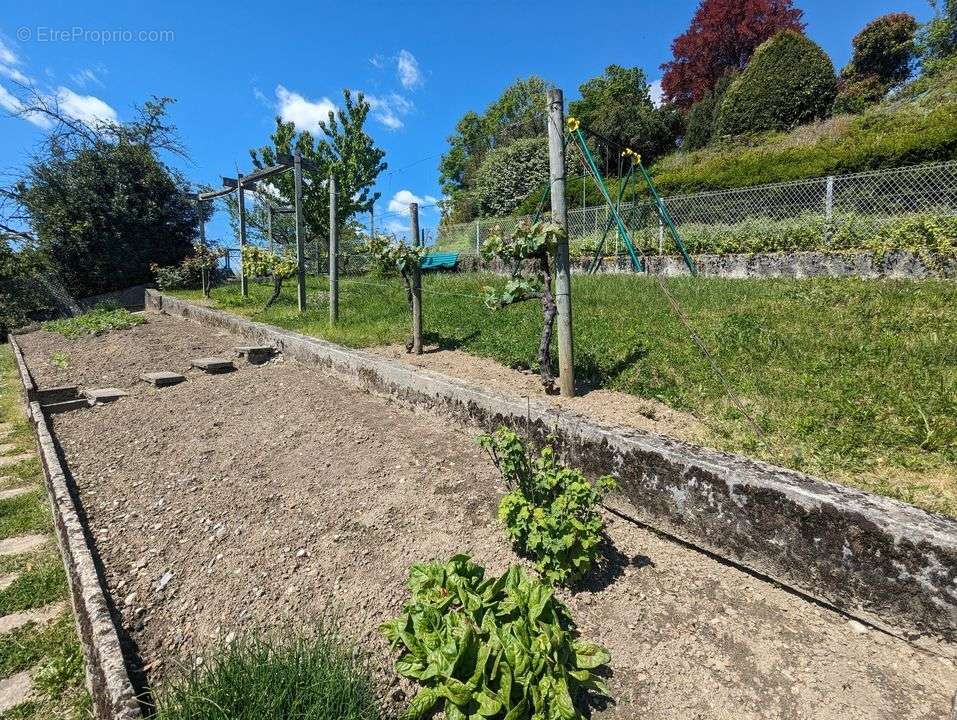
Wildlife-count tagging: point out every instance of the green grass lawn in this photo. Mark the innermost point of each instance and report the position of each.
(852, 380)
(51, 652)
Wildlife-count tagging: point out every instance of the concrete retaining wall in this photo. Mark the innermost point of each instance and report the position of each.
(902, 265)
(107, 678)
(882, 560)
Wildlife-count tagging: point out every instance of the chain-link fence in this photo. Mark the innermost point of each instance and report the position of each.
(835, 212)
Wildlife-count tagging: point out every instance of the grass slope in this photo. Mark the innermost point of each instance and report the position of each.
(852, 380)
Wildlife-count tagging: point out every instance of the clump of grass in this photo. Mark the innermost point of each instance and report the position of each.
(41, 581)
(316, 677)
(95, 322)
(60, 359)
(24, 514)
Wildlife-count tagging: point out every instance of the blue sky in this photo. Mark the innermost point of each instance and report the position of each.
(233, 67)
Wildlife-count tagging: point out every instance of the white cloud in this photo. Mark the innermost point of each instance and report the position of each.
(389, 109)
(7, 56)
(86, 108)
(10, 103)
(408, 70)
(656, 93)
(306, 114)
(14, 74)
(82, 77)
(377, 61)
(8, 61)
(401, 200)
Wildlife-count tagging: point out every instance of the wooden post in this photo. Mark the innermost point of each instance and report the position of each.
(333, 254)
(202, 239)
(269, 225)
(243, 280)
(300, 233)
(416, 284)
(563, 280)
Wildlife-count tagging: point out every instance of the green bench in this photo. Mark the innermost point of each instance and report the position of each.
(440, 261)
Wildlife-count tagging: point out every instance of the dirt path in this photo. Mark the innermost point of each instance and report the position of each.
(275, 494)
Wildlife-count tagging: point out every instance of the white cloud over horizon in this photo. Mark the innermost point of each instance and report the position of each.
(407, 68)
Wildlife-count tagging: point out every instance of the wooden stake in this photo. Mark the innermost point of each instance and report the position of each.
(300, 233)
(416, 284)
(333, 254)
(563, 280)
(243, 280)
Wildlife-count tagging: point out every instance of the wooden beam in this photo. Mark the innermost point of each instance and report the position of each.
(213, 194)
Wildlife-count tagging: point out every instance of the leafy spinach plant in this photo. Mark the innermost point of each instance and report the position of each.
(490, 648)
(551, 512)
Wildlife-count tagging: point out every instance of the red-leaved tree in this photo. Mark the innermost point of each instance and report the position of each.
(722, 37)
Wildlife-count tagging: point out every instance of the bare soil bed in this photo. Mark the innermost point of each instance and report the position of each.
(273, 495)
(609, 407)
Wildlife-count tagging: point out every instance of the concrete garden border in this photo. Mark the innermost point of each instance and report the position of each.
(107, 678)
(883, 561)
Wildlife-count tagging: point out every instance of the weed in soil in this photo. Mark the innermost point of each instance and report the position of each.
(95, 322)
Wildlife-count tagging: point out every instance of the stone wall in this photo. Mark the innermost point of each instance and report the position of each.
(901, 265)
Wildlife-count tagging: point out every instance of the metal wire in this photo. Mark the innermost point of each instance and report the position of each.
(875, 196)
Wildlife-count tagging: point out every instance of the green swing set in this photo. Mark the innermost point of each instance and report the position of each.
(615, 219)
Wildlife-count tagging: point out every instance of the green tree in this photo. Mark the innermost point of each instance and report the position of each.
(518, 113)
(618, 105)
(345, 150)
(509, 173)
(884, 49)
(938, 38)
(704, 114)
(101, 205)
(789, 81)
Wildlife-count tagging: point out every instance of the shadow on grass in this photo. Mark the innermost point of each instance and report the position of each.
(442, 342)
(592, 374)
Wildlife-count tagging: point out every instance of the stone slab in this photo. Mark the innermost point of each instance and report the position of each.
(41, 616)
(213, 364)
(8, 460)
(22, 544)
(163, 378)
(256, 354)
(61, 393)
(15, 690)
(8, 580)
(875, 558)
(66, 406)
(104, 395)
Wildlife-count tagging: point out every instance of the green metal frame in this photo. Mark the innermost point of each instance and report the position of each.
(615, 207)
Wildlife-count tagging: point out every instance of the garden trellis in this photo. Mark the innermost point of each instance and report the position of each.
(251, 182)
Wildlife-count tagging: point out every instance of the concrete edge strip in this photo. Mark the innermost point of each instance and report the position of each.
(26, 379)
(112, 692)
(892, 564)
